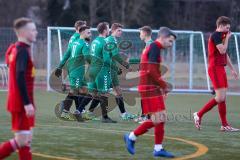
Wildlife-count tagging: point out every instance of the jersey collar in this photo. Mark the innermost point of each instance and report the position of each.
(22, 44)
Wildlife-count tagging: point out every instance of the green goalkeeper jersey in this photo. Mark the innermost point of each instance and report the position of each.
(67, 54)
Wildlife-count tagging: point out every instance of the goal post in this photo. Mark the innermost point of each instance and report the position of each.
(186, 60)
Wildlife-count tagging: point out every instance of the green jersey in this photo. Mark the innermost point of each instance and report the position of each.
(79, 52)
(67, 54)
(113, 55)
(148, 43)
(97, 50)
(99, 70)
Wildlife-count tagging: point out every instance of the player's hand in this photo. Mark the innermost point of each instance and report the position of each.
(229, 34)
(235, 74)
(58, 72)
(165, 96)
(119, 72)
(29, 109)
(168, 88)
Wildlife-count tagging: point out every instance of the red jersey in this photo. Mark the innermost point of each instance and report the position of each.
(215, 58)
(20, 89)
(151, 82)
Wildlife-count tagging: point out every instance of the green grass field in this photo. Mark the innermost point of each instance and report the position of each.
(54, 138)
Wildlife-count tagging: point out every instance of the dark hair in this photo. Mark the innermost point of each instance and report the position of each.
(116, 26)
(223, 20)
(79, 23)
(166, 32)
(102, 26)
(21, 22)
(146, 29)
(83, 28)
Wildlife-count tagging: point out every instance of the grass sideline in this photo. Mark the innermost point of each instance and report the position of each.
(94, 140)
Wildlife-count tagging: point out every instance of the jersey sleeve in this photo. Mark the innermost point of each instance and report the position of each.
(66, 56)
(21, 67)
(154, 54)
(8, 52)
(217, 38)
(120, 60)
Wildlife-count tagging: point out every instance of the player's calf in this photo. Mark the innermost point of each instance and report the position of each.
(104, 108)
(7, 148)
(83, 100)
(21, 142)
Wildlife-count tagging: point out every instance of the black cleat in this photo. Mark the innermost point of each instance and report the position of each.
(108, 120)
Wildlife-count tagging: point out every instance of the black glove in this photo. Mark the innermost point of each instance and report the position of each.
(58, 72)
(119, 72)
(126, 65)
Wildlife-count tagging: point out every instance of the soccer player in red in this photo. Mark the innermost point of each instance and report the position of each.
(20, 101)
(153, 89)
(218, 59)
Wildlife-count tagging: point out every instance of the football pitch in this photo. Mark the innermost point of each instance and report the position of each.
(65, 140)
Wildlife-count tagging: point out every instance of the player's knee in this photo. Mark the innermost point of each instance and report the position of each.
(156, 122)
(160, 117)
(220, 98)
(23, 138)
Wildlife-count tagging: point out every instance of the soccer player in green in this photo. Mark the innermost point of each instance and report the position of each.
(76, 68)
(98, 72)
(116, 32)
(67, 103)
(146, 36)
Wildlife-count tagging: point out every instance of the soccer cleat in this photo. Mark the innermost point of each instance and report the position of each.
(66, 116)
(78, 116)
(197, 121)
(89, 116)
(132, 116)
(129, 144)
(162, 153)
(228, 129)
(141, 119)
(128, 116)
(108, 120)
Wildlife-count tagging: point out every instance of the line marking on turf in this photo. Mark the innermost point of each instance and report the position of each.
(201, 149)
(50, 157)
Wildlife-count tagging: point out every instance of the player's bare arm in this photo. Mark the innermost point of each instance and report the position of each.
(232, 69)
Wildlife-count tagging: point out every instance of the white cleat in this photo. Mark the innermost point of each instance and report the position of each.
(197, 121)
(229, 129)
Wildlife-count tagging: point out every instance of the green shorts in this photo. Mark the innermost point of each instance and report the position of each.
(92, 86)
(77, 82)
(102, 82)
(114, 78)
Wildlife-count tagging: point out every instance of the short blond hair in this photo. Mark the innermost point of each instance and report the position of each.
(21, 22)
